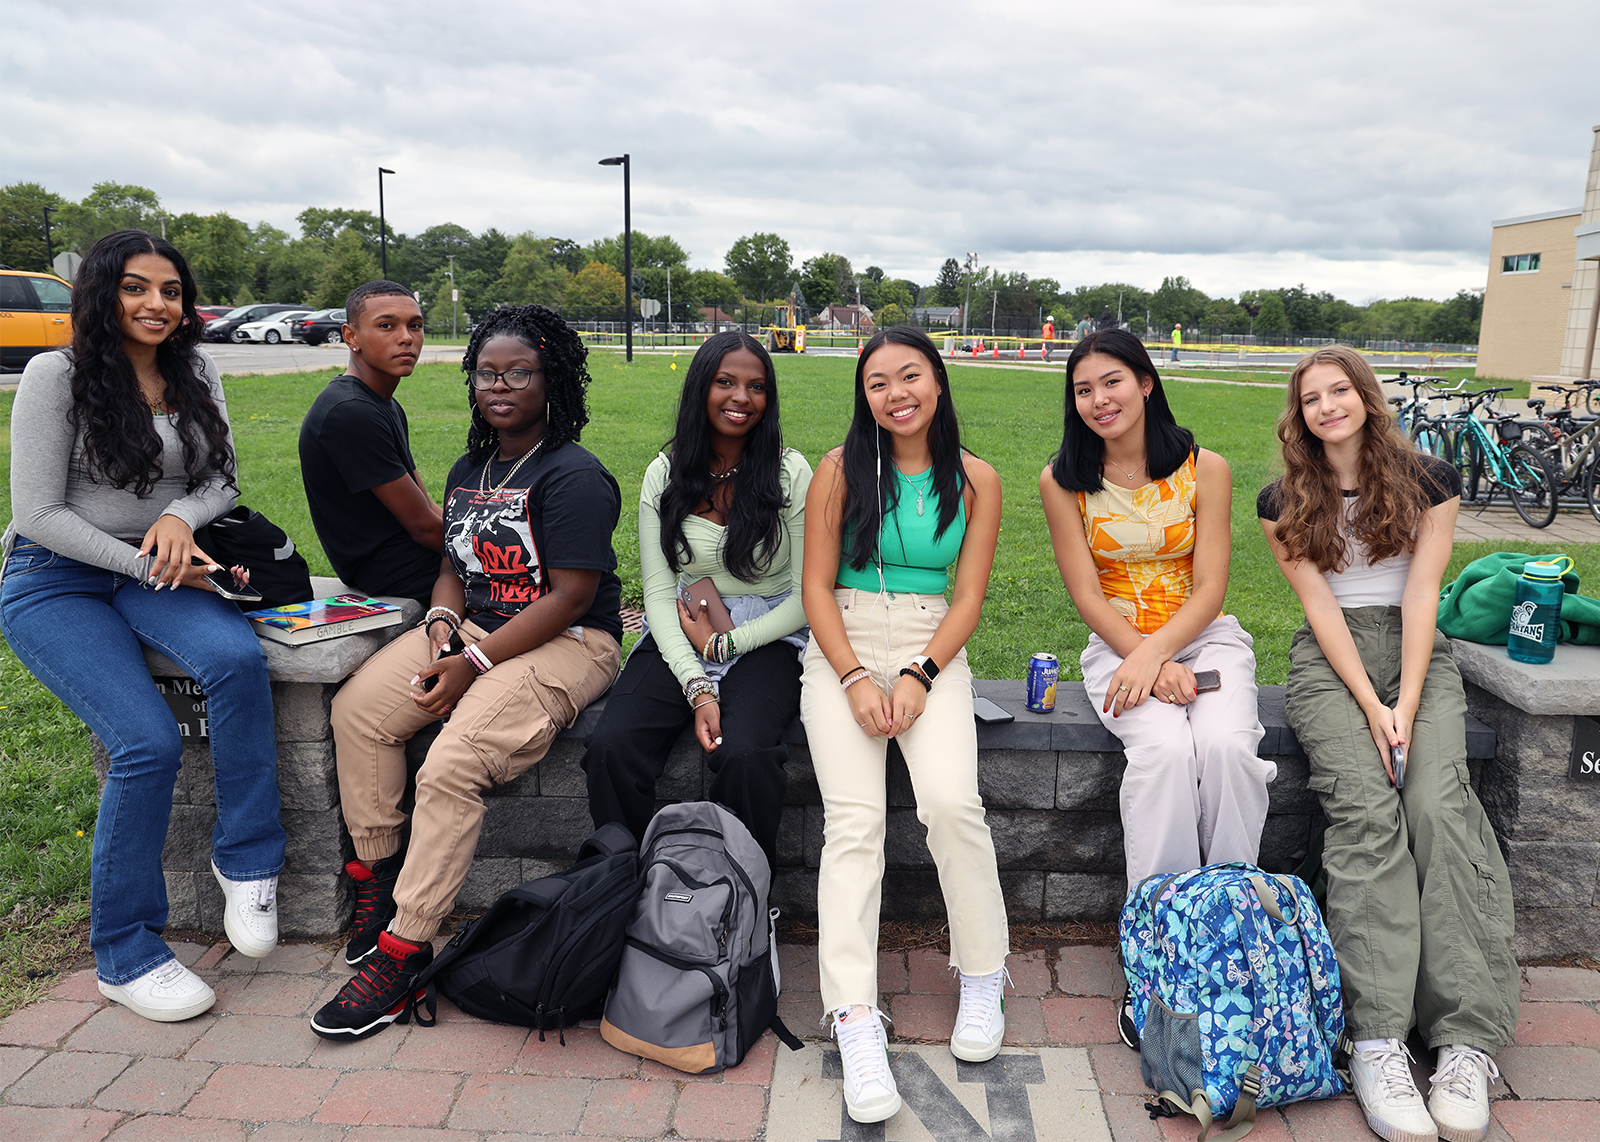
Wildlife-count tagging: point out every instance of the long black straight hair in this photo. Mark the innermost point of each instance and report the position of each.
(871, 488)
(1078, 464)
(119, 434)
(755, 509)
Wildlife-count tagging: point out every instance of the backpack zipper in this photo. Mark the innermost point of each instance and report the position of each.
(719, 998)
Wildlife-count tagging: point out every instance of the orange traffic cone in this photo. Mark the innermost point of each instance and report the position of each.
(997, 350)
(858, 348)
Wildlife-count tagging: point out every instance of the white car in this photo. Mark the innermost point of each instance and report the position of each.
(273, 330)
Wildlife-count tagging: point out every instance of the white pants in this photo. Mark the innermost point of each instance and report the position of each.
(941, 751)
(1194, 792)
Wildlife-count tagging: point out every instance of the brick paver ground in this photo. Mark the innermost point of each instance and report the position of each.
(74, 1067)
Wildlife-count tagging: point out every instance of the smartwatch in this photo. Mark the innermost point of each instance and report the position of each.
(922, 662)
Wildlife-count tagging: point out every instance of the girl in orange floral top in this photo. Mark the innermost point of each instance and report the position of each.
(1139, 518)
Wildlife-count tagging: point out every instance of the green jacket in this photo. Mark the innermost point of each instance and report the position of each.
(1477, 606)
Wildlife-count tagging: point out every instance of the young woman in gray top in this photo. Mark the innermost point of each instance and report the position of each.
(120, 449)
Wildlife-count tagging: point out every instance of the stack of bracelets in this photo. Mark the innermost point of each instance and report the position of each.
(719, 648)
(442, 614)
(850, 677)
(695, 688)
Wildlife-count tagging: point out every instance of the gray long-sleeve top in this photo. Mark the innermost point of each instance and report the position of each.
(56, 504)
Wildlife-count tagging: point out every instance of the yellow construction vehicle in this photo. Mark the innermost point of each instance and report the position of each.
(784, 335)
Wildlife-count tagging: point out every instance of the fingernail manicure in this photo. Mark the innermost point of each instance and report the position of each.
(416, 679)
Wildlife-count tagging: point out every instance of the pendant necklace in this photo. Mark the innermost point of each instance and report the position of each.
(1129, 476)
(721, 476)
(483, 477)
(918, 488)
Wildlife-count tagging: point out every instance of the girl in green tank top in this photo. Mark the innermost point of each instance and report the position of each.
(890, 511)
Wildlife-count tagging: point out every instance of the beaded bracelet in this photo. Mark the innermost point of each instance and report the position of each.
(913, 672)
(480, 661)
(444, 613)
(697, 686)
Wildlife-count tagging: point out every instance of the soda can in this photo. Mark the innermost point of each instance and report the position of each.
(1043, 671)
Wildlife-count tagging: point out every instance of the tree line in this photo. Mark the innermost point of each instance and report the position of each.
(337, 249)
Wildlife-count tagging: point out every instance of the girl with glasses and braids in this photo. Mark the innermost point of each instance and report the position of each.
(726, 502)
(522, 635)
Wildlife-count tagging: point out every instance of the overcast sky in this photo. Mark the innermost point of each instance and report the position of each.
(1359, 148)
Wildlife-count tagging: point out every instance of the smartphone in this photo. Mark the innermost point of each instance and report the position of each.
(1397, 758)
(224, 584)
(1207, 680)
(989, 713)
(454, 646)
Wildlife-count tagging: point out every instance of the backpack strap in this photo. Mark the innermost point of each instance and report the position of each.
(785, 1036)
(1240, 1122)
(610, 839)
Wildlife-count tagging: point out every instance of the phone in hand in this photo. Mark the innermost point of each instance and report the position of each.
(454, 646)
(224, 584)
(1397, 758)
(1207, 680)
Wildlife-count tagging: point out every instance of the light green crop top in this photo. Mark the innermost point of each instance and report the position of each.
(705, 540)
(913, 561)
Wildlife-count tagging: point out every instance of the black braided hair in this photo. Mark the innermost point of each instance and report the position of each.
(119, 436)
(566, 374)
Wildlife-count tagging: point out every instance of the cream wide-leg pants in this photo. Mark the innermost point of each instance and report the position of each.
(1194, 792)
(941, 751)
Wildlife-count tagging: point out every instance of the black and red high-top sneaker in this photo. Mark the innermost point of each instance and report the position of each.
(379, 994)
(374, 904)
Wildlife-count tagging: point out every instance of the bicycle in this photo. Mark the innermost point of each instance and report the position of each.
(1507, 465)
(1571, 447)
(1420, 426)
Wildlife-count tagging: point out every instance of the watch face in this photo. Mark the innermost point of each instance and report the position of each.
(927, 666)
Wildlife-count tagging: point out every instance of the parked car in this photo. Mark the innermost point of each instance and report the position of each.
(210, 313)
(222, 328)
(323, 326)
(278, 327)
(35, 315)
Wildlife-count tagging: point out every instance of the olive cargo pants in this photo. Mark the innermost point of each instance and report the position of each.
(1419, 901)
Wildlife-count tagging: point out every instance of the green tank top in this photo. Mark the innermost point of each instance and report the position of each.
(913, 561)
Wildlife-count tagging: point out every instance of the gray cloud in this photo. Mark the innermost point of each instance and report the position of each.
(1357, 147)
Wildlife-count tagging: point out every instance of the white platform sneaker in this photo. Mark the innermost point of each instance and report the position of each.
(250, 913)
(869, 1091)
(167, 993)
(1388, 1094)
(981, 1018)
(1459, 1101)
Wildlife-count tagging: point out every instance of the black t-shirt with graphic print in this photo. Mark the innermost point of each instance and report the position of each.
(559, 510)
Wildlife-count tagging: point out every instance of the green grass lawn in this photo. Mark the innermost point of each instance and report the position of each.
(1010, 417)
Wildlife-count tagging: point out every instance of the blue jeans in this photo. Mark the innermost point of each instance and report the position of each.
(78, 629)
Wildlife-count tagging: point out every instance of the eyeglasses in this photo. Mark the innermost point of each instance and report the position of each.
(514, 378)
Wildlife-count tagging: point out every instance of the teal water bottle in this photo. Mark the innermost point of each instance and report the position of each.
(1536, 615)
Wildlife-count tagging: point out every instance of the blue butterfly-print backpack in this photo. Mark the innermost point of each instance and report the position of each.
(1235, 992)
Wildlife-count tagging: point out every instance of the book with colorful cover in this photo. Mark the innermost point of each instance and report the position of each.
(321, 619)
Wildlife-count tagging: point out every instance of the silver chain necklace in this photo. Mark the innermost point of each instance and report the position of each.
(918, 488)
(1129, 476)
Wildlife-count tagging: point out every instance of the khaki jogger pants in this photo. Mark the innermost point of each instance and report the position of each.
(1419, 901)
(502, 725)
(941, 752)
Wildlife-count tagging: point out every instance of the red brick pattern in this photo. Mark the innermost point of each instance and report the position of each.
(76, 1067)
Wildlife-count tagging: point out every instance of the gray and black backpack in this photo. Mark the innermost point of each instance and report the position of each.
(698, 983)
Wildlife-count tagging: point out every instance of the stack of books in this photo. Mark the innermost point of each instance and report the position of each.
(322, 619)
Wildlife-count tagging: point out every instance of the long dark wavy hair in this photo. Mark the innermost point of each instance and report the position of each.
(1078, 464)
(756, 507)
(871, 490)
(119, 434)
(566, 374)
(1392, 477)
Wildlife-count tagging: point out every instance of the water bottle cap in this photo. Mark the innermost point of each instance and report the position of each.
(1539, 569)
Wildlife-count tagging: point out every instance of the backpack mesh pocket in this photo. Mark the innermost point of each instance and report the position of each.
(1169, 1050)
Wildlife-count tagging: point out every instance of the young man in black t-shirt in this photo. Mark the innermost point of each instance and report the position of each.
(381, 530)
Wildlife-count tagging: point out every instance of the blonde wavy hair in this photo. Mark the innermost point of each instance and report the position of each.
(1390, 477)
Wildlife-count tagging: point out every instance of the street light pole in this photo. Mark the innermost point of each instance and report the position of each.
(972, 259)
(626, 163)
(453, 306)
(383, 229)
(995, 305)
(49, 250)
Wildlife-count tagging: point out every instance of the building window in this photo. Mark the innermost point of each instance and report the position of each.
(1519, 264)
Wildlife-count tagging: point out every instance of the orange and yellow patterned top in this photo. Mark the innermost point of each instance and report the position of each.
(1142, 540)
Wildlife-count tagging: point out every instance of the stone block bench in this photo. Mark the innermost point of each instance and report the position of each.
(1050, 783)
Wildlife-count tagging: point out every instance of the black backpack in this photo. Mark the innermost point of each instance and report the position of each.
(246, 537)
(545, 953)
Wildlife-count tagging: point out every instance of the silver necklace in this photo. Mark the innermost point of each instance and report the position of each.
(918, 488)
(483, 477)
(1127, 475)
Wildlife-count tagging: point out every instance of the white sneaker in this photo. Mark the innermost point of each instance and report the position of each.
(167, 993)
(1459, 1102)
(869, 1090)
(981, 1018)
(249, 913)
(1388, 1094)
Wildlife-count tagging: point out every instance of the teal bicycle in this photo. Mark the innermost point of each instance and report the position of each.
(1490, 464)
